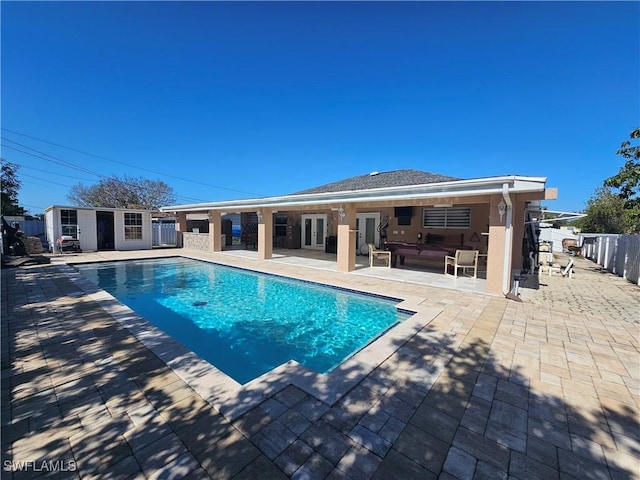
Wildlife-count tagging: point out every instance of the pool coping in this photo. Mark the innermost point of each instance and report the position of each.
(233, 399)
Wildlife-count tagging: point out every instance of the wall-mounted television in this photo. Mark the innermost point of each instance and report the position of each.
(403, 212)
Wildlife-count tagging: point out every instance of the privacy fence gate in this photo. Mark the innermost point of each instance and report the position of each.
(164, 234)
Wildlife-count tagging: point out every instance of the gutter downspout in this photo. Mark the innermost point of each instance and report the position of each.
(506, 274)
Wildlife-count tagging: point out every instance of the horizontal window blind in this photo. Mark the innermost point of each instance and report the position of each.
(447, 217)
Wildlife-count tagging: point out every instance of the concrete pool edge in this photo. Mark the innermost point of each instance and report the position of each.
(233, 399)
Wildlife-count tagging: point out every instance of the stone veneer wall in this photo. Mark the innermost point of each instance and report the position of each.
(196, 241)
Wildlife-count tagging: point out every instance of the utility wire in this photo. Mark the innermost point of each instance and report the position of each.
(52, 173)
(55, 160)
(29, 182)
(45, 180)
(32, 206)
(70, 165)
(127, 164)
(52, 158)
(78, 178)
(190, 199)
(49, 182)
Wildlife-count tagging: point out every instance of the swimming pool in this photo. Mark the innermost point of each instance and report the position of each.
(243, 322)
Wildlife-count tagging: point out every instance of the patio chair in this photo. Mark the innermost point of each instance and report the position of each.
(463, 259)
(564, 271)
(545, 261)
(374, 253)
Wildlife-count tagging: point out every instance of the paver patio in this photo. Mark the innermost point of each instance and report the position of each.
(490, 388)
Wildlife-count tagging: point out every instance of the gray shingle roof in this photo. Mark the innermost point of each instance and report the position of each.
(395, 178)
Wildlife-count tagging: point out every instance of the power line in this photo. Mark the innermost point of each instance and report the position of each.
(32, 206)
(58, 161)
(78, 178)
(52, 173)
(190, 199)
(49, 182)
(29, 182)
(52, 159)
(45, 180)
(126, 164)
(69, 176)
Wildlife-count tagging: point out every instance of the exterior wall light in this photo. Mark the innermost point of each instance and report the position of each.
(502, 207)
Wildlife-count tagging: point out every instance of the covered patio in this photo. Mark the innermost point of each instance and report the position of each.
(418, 274)
(432, 214)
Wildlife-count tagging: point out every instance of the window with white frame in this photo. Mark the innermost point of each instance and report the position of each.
(133, 226)
(447, 217)
(69, 223)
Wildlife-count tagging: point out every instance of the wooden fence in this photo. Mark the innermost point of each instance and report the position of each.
(618, 254)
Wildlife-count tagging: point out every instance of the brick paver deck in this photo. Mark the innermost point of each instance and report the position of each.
(490, 389)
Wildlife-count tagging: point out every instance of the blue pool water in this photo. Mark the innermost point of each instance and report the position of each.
(243, 322)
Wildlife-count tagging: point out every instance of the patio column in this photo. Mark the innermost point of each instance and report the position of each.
(215, 231)
(265, 234)
(346, 238)
(181, 226)
(496, 248)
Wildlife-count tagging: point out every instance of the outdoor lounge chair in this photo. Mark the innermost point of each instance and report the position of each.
(463, 259)
(564, 271)
(374, 253)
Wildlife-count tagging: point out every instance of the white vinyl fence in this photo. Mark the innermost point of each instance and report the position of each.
(164, 234)
(618, 254)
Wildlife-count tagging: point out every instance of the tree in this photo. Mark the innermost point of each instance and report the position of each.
(124, 192)
(627, 180)
(9, 187)
(605, 214)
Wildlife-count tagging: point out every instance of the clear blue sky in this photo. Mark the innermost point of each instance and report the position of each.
(234, 100)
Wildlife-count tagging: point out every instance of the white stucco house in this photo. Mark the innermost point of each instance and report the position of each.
(100, 229)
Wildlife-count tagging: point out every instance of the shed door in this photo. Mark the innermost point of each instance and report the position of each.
(105, 231)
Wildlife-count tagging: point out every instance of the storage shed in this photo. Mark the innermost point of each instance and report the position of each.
(99, 229)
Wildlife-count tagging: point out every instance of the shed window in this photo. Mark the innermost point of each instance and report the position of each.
(69, 223)
(447, 217)
(133, 226)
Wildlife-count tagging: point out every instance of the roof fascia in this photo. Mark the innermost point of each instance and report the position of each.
(101, 209)
(472, 187)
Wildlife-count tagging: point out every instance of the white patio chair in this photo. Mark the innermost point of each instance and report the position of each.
(564, 271)
(463, 259)
(374, 253)
(545, 261)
